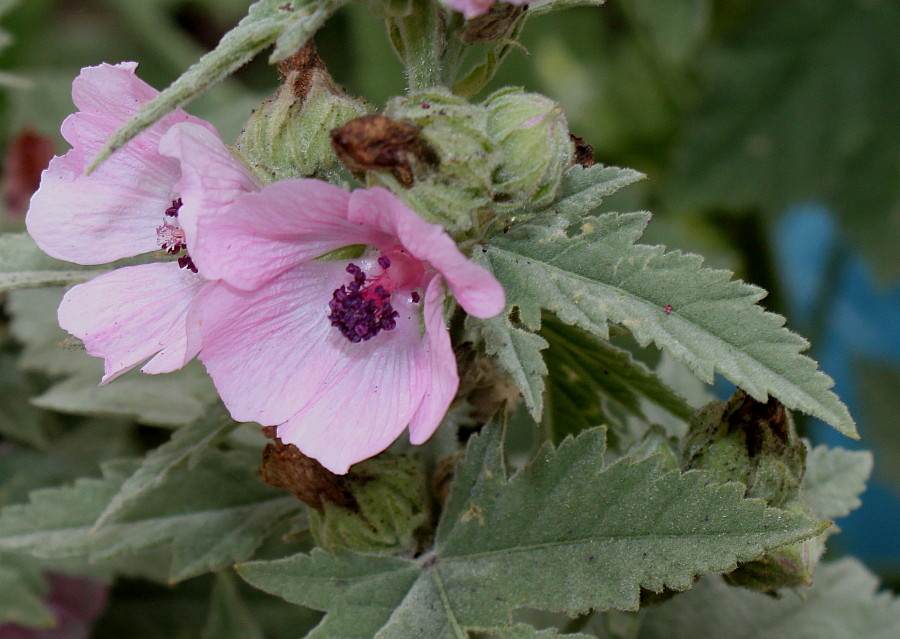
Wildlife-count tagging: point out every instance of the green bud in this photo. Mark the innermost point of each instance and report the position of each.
(390, 512)
(455, 188)
(533, 136)
(750, 442)
(288, 136)
(792, 565)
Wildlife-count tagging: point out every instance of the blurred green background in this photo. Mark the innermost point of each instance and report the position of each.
(769, 132)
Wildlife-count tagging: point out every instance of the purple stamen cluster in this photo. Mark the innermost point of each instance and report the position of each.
(171, 238)
(361, 313)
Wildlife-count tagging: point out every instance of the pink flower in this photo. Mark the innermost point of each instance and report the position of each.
(341, 354)
(474, 8)
(129, 206)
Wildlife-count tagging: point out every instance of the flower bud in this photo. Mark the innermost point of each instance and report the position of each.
(533, 136)
(751, 442)
(391, 508)
(288, 136)
(792, 565)
(455, 187)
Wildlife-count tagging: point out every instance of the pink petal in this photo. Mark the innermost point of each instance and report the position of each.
(114, 212)
(476, 289)
(133, 313)
(371, 393)
(266, 233)
(212, 178)
(441, 379)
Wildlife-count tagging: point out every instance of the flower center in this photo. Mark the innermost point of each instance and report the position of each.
(170, 237)
(362, 309)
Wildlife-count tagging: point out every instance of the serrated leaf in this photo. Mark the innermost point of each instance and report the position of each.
(593, 382)
(699, 315)
(562, 534)
(288, 23)
(173, 399)
(834, 480)
(519, 352)
(800, 106)
(229, 617)
(582, 189)
(208, 517)
(842, 603)
(187, 444)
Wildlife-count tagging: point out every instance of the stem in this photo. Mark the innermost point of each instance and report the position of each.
(420, 40)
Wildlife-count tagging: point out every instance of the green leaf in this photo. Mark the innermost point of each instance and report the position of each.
(161, 400)
(206, 518)
(542, 539)
(842, 603)
(19, 420)
(229, 617)
(22, 593)
(834, 480)
(593, 382)
(582, 189)
(699, 315)
(519, 352)
(287, 23)
(37, 279)
(19, 253)
(799, 106)
(188, 443)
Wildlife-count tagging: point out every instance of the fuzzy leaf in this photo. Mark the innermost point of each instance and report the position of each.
(800, 106)
(699, 315)
(288, 22)
(539, 539)
(208, 517)
(159, 400)
(582, 190)
(38, 279)
(519, 352)
(186, 446)
(842, 603)
(834, 480)
(593, 382)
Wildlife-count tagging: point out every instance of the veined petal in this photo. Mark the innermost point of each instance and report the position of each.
(267, 349)
(367, 399)
(212, 178)
(112, 213)
(438, 366)
(476, 290)
(130, 314)
(266, 233)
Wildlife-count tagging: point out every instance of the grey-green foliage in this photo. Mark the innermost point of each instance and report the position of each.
(287, 24)
(800, 104)
(834, 480)
(596, 274)
(523, 631)
(562, 534)
(24, 265)
(202, 518)
(518, 349)
(162, 400)
(593, 382)
(842, 603)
